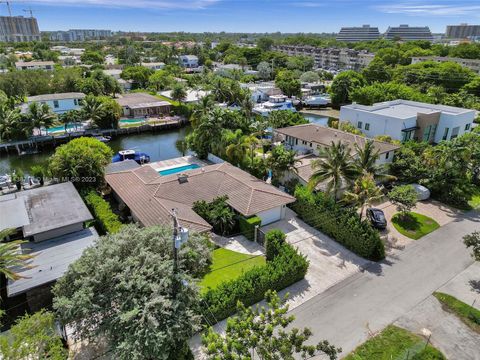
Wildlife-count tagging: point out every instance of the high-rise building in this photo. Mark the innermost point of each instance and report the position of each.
(18, 28)
(462, 31)
(80, 35)
(355, 34)
(408, 33)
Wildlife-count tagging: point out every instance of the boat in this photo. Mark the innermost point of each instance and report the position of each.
(274, 103)
(317, 100)
(139, 157)
(5, 181)
(102, 138)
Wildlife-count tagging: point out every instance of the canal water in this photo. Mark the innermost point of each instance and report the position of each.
(160, 146)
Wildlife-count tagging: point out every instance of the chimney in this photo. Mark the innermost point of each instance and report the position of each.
(182, 178)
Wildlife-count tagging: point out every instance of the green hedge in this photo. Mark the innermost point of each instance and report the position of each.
(106, 220)
(273, 242)
(342, 224)
(287, 268)
(247, 226)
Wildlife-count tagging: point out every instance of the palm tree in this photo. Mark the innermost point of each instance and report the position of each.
(223, 218)
(366, 162)
(41, 116)
(182, 146)
(178, 93)
(364, 192)
(201, 109)
(10, 257)
(280, 161)
(251, 143)
(69, 117)
(236, 151)
(92, 109)
(335, 167)
(9, 123)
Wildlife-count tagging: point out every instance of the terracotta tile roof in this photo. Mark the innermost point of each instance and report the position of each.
(324, 136)
(151, 196)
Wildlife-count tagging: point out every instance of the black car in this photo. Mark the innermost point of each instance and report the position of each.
(377, 218)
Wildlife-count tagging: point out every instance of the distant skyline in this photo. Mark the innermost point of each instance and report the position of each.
(245, 15)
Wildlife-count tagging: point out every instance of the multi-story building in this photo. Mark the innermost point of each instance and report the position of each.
(18, 29)
(462, 31)
(408, 33)
(409, 120)
(330, 58)
(80, 35)
(355, 34)
(472, 64)
(188, 61)
(59, 102)
(34, 65)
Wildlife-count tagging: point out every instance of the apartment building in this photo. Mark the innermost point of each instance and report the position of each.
(408, 33)
(462, 31)
(80, 35)
(330, 58)
(35, 65)
(472, 64)
(18, 29)
(356, 34)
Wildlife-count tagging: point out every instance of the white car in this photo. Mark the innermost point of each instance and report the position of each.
(422, 192)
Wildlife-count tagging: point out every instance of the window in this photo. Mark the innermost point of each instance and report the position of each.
(445, 134)
(467, 127)
(429, 133)
(359, 124)
(296, 141)
(310, 144)
(367, 126)
(455, 132)
(387, 154)
(55, 104)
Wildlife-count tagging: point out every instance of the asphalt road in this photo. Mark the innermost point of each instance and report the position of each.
(367, 302)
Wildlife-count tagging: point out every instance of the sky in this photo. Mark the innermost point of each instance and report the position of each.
(245, 15)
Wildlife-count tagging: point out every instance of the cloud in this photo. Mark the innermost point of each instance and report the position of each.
(429, 9)
(140, 4)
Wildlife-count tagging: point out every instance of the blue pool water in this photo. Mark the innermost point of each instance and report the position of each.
(178, 169)
(132, 121)
(316, 119)
(62, 128)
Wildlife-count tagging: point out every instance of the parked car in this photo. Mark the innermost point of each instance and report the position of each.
(422, 192)
(377, 218)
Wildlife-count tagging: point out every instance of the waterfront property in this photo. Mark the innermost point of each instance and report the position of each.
(59, 103)
(409, 120)
(151, 195)
(142, 104)
(52, 218)
(274, 103)
(262, 91)
(193, 96)
(34, 65)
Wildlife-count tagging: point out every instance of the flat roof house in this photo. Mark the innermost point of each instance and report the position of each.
(142, 104)
(409, 120)
(52, 218)
(59, 103)
(34, 65)
(151, 196)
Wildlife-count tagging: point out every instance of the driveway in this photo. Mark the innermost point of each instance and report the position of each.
(330, 263)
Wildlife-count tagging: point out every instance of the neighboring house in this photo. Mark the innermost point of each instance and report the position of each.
(59, 103)
(154, 65)
(142, 104)
(472, 64)
(409, 120)
(151, 196)
(52, 218)
(262, 91)
(307, 141)
(35, 65)
(188, 61)
(193, 96)
(116, 73)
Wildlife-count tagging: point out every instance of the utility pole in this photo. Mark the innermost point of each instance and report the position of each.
(180, 236)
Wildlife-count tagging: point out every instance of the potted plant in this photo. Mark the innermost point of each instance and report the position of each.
(17, 178)
(38, 173)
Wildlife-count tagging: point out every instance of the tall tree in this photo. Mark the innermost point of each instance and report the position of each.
(343, 86)
(364, 192)
(182, 146)
(41, 116)
(366, 161)
(92, 108)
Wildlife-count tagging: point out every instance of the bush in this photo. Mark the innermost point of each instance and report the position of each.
(106, 220)
(217, 213)
(342, 224)
(286, 268)
(274, 240)
(247, 226)
(430, 353)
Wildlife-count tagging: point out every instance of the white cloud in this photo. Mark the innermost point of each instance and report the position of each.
(141, 4)
(429, 9)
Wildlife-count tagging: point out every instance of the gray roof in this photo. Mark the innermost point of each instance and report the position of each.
(140, 100)
(51, 259)
(59, 96)
(125, 165)
(34, 63)
(47, 208)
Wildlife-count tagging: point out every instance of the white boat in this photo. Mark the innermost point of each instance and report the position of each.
(317, 100)
(274, 103)
(5, 181)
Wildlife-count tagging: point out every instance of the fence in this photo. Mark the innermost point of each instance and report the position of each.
(259, 236)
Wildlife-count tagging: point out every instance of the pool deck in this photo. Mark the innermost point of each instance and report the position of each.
(177, 162)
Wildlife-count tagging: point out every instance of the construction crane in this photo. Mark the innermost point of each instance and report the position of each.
(8, 6)
(29, 10)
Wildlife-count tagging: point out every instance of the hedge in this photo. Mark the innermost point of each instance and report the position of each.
(285, 269)
(106, 220)
(247, 226)
(273, 241)
(342, 224)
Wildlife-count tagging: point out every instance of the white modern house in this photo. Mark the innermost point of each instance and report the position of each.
(59, 103)
(34, 65)
(188, 61)
(261, 91)
(274, 103)
(409, 120)
(154, 65)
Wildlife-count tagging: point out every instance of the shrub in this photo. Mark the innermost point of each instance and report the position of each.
(342, 224)
(429, 353)
(106, 220)
(274, 241)
(217, 213)
(247, 226)
(285, 269)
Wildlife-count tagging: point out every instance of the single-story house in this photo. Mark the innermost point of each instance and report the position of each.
(34, 65)
(193, 96)
(262, 91)
(52, 218)
(151, 196)
(59, 103)
(409, 120)
(154, 65)
(142, 104)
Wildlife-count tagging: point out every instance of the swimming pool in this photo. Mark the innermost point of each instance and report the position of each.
(61, 128)
(316, 119)
(178, 169)
(132, 121)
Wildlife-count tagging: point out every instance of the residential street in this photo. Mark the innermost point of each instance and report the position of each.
(369, 301)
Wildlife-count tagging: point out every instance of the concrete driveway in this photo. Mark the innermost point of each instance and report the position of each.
(330, 263)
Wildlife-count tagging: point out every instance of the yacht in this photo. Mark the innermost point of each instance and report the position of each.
(139, 157)
(275, 102)
(317, 100)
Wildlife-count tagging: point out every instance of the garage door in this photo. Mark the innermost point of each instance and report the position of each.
(270, 216)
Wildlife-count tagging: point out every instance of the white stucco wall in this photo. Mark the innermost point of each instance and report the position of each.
(452, 121)
(272, 215)
(63, 105)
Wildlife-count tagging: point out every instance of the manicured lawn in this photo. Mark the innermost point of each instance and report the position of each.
(414, 225)
(395, 343)
(228, 265)
(468, 314)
